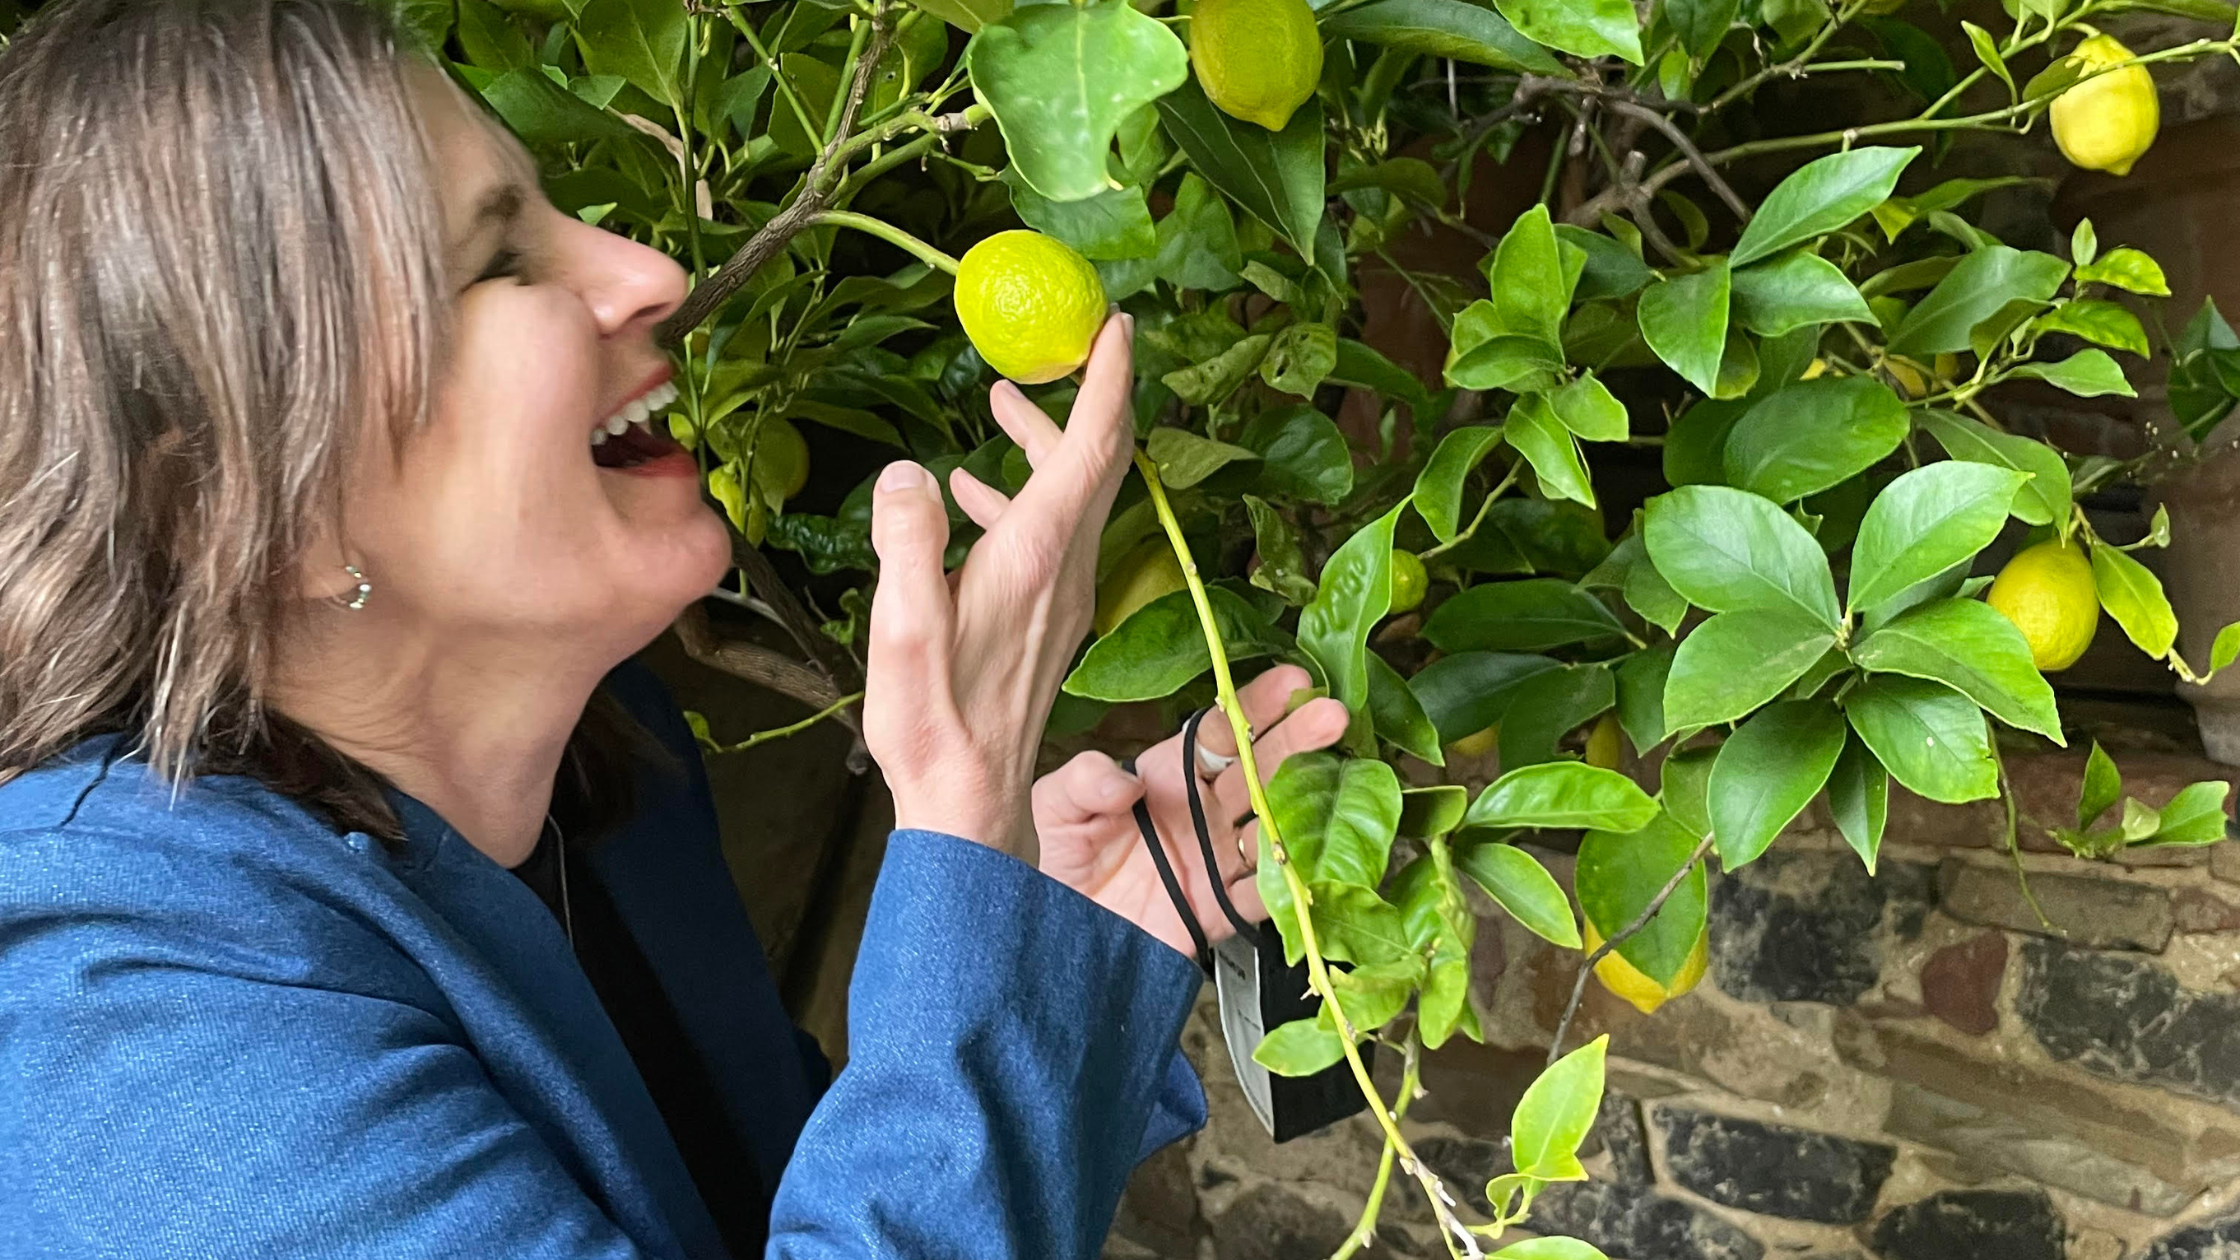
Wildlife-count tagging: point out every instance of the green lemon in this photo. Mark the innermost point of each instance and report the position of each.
(2109, 121)
(1634, 985)
(1031, 305)
(1144, 574)
(1258, 60)
(1409, 581)
(2047, 591)
(1478, 744)
(781, 458)
(1606, 743)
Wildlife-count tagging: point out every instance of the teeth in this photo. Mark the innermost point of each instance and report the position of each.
(599, 436)
(637, 412)
(617, 422)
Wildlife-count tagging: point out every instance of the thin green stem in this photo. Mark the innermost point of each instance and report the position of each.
(856, 40)
(1318, 972)
(785, 85)
(2014, 840)
(1365, 1229)
(889, 233)
(764, 737)
(1479, 519)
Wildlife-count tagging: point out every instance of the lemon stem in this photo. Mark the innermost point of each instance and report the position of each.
(889, 233)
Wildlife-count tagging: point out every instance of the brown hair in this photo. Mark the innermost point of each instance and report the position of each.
(204, 207)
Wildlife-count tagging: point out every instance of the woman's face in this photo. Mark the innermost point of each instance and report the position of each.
(516, 515)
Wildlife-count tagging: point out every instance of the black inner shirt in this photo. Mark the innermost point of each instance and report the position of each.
(721, 1167)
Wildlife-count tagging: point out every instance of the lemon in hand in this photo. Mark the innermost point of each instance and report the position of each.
(1031, 305)
(1410, 581)
(1144, 574)
(2047, 591)
(1634, 984)
(1258, 60)
(2108, 121)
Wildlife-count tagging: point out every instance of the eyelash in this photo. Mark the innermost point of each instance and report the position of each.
(504, 263)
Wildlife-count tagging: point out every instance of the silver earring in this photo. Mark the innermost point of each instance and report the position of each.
(365, 588)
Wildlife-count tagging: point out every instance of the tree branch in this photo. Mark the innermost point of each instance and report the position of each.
(1689, 151)
(1640, 921)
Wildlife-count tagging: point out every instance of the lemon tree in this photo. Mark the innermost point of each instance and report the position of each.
(1803, 336)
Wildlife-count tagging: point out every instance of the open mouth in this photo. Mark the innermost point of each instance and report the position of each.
(637, 434)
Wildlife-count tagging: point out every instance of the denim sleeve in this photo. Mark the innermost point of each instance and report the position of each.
(1012, 1056)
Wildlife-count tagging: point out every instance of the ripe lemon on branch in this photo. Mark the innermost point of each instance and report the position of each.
(2108, 121)
(1634, 984)
(1031, 305)
(2048, 593)
(1258, 60)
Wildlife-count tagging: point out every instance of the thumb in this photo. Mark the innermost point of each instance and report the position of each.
(1089, 787)
(911, 611)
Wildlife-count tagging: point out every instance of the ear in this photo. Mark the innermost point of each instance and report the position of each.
(320, 574)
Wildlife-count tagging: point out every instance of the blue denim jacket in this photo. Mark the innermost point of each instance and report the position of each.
(227, 1031)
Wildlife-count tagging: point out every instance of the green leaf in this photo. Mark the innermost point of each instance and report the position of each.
(1061, 79)
(1337, 818)
(1737, 661)
(1822, 196)
(1371, 996)
(1524, 616)
(491, 40)
(1932, 738)
(1277, 176)
(967, 15)
(1523, 887)
(1354, 594)
(1453, 29)
(1695, 447)
(1430, 812)
(1299, 358)
(1115, 223)
(2134, 597)
(641, 40)
(1302, 454)
(2043, 499)
(2227, 647)
(1439, 487)
(1469, 691)
(1972, 292)
(2087, 374)
(1161, 646)
(1814, 434)
(1500, 361)
(1612, 270)
(1648, 594)
(1362, 366)
(1972, 648)
(1398, 715)
(1685, 321)
(1198, 246)
(1551, 705)
(1551, 450)
(1767, 772)
(1924, 523)
(1641, 680)
(1588, 408)
(1726, 549)
(1583, 28)
(1530, 293)
(545, 115)
(2102, 323)
(1795, 290)
(1555, 1113)
(1353, 924)
(1620, 873)
(2101, 789)
(1302, 1047)
(2194, 816)
(1859, 799)
(1562, 794)
(1218, 377)
(1185, 458)
(1551, 1248)
(1987, 52)
(1700, 24)
(2127, 269)
(1686, 788)
(1282, 567)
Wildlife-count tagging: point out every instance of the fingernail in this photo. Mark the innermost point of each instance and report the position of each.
(903, 475)
(1131, 323)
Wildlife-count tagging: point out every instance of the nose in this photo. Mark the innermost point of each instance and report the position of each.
(629, 287)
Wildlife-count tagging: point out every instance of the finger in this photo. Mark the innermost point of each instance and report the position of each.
(1317, 724)
(1264, 700)
(1030, 426)
(1090, 786)
(911, 609)
(1244, 894)
(1099, 431)
(980, 501)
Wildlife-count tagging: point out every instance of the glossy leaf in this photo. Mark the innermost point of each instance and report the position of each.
(1859, 800)
(1277, 176)
(2226, 649)
(1795, 290)
(1161, 646)
(1362, 366)
(1820, 197)
(1700, 24)
(967, 15)
(1813, 435)
(1620, 873)
(1524, 616)
(1987, 52)
(1282, 567)
(1439, 487)
(2194, 816)
(2043, 499)
(1185, 458)
(1115, 223)
(2133, 596)
(1588, 408)
(1551, 705)
(1061, 79)
(1430, 812)
(1641, 680)
(1611, 269)
(1556, 1112)
(1353, 924)
(640, 40)
(1354, 593)
(1469, 691)
(2087, 374)
(2101, 789)
(1932, 739)
(1972, 292)
(2127, 269)
(1300, 1048)
(1972, 648)
(1443, 28)
(1530, 293)
(1302, 453)
(1685, 321)
(1566, 794)
(1767, 772)
(1397, 715)
(1925, 522)
(1738, 661)
(1549, 1248)
(1551, 450)
(1337, 817)
(2102, 323)
(1299, 359)
(1521, 886)
(1726, 550)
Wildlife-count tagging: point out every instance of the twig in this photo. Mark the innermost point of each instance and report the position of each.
(1640, 921)
(805, 630)
(759, 665)
(1365, 1229)
(781, 732)
(1688, 150)
(2014, 844)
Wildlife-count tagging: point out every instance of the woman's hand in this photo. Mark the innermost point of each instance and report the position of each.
(963, 667)
(1084, 814)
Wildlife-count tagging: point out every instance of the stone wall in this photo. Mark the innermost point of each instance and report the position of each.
(1906, 1067)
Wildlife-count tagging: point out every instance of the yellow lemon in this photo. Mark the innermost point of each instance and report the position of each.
(1409, 581)
(2108, 121)
(1814, 370)
(2047, 591)
(1477, 745)
(1258, 60)
(1605, 743)
(1031, 305)
(1634, 985)
(1142, 575)
(781, 458)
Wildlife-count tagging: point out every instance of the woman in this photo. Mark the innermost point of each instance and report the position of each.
(314, 599)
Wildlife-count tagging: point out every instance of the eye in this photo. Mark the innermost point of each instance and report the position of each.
(504, 263)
